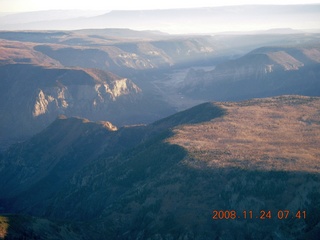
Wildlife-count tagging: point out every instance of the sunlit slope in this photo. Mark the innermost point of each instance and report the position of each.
(281, 134)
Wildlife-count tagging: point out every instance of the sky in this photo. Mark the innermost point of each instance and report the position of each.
(38, 5)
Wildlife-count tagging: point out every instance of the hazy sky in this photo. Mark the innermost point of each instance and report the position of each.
(36, 5)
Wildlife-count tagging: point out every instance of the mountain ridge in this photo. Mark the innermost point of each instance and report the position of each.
(63, 69)
(266, 71)
(169, 180)
(302, 16)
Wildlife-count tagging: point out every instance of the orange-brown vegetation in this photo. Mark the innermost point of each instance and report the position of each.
(19, 52)
(281, 133)
(4, 225)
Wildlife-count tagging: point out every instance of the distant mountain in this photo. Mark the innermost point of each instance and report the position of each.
(126, 52)
(117, 50)
(84, 37)
(218, 170)
(22, 18)
(123, 33)
(196, 20)
(263, 72)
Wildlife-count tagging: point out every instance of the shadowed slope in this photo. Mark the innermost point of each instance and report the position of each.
(165, 180)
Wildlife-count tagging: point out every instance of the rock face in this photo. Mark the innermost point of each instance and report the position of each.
(263, 72)
(258, 159)
(33, 96)
(132, 56)
(47, 73)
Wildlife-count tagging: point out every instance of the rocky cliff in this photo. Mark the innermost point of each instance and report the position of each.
(264, 72)
(33, 96)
